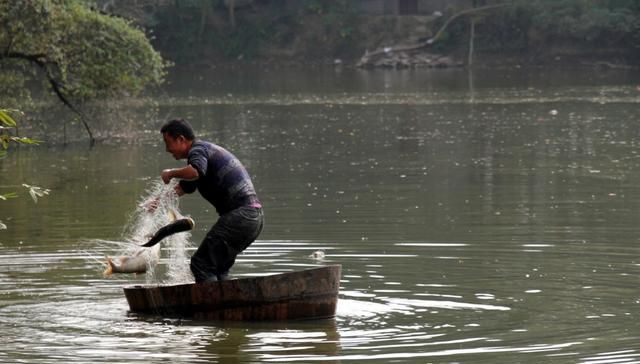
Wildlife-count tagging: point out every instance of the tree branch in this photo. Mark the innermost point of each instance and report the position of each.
(387, 50)
(40, 61)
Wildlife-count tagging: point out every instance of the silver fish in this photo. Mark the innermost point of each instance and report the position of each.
(138, 262)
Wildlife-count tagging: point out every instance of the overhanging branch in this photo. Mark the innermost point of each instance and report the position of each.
(40, 61)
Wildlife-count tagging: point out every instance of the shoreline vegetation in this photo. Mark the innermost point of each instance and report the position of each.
(85, 55)
(588, 33)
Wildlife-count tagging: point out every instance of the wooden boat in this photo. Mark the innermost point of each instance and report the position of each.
(306, 294)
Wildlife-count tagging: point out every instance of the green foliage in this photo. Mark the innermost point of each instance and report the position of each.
(8, 123)
(244, 40)
(537, 24)
(105, 56)
(35, 192)
(7, 196)
(339, 26)
(96, 55)
(90, 55)
(195, 33)
(6, 119)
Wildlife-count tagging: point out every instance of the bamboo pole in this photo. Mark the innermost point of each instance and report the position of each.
(472, 34)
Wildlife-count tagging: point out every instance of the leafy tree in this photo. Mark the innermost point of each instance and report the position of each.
(589, 22)
(80, 53)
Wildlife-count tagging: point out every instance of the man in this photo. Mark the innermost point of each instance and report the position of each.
(223, 181)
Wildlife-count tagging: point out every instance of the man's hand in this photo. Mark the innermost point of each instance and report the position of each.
(151, 204)
(166, 175)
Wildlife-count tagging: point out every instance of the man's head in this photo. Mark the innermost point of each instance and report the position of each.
(178, 137)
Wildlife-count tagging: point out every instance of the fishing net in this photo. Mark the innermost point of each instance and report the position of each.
(158, 207)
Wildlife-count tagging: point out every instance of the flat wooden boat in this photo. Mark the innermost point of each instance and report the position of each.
(306, 294)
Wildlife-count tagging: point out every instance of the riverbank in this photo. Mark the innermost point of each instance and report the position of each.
(442, 61)
(565, 56)
(303, 37)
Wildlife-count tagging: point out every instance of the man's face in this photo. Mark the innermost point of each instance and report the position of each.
(178, 147)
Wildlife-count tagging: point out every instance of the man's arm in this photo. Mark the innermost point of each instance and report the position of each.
(187, 173)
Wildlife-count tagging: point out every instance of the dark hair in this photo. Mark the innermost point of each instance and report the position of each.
(178, 127)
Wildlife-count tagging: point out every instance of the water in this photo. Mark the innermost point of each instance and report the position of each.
(484, 218)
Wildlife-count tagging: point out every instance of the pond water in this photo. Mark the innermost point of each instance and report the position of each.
(479, 218)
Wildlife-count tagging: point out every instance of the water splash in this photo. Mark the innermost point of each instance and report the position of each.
(141, 225)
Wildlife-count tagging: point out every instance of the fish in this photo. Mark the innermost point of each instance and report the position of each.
(143, 259)
(184, 224)
(138, 262)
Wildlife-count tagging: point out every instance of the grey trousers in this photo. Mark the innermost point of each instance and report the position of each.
(230, 235)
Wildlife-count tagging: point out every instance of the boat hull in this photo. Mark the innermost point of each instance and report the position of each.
(306, 294)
